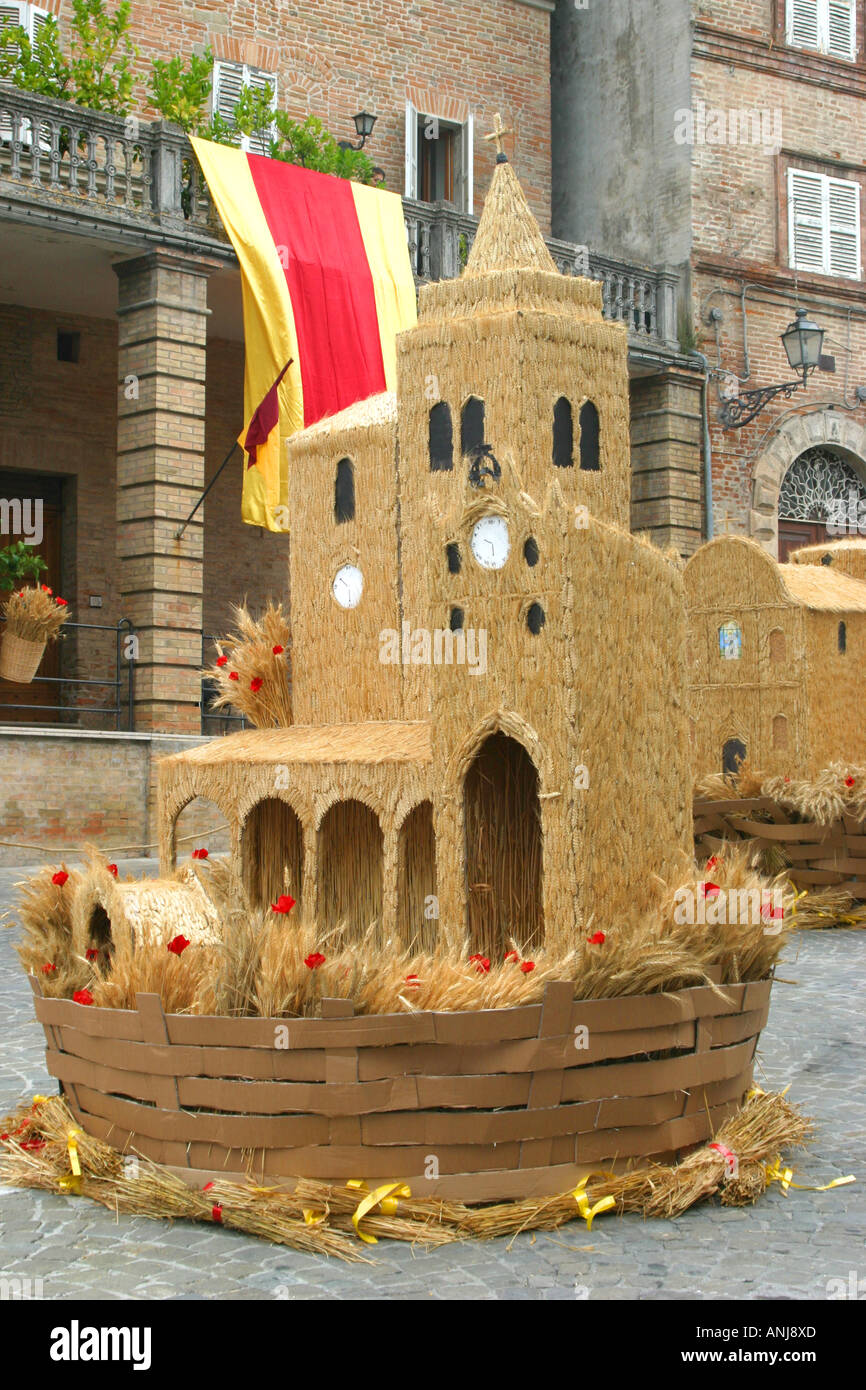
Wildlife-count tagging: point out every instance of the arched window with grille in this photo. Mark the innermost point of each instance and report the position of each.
(590, 439)
(344, 492)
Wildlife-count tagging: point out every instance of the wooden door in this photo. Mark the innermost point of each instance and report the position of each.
(15, 699)
(794, 534)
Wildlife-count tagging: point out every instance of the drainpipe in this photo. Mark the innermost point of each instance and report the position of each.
(708, 448)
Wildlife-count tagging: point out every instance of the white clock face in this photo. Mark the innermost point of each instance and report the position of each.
(490, 542)
(348, 586)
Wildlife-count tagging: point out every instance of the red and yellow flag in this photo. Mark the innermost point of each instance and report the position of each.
(327, 286)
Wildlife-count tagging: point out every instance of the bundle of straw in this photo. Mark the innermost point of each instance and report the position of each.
(35, 615)
(252, 669)
(317, 1217)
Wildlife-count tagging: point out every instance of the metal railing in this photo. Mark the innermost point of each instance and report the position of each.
(225, 719)
(144, 175)
(122, 682)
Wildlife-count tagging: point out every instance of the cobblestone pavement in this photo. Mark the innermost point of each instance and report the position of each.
(782, 1248)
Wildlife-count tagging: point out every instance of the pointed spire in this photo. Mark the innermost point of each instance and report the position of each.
(508, 236)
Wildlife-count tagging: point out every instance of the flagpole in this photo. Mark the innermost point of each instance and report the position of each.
(181, 529)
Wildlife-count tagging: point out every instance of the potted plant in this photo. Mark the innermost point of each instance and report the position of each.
(34, 617)
(18, 564)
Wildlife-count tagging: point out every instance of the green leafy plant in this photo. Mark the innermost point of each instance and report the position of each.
(97, 70)
(179, 90)
(19, 562)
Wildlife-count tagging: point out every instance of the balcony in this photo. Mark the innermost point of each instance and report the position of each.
(136, 184)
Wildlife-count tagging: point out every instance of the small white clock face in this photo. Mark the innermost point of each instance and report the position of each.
(348, 586)
(490, 542)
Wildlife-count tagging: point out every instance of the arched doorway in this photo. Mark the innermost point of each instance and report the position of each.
(417, 908)
(502, 815)
(733, 754)
(350, 859)
(272, 853)
(822, 498)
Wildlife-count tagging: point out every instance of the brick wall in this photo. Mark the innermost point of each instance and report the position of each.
(73, 433)
(337, 57)
(816, 108)
(105, 797)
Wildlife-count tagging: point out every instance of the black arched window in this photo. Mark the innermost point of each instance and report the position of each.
(455, 563)
(843, 638)
(344, 492)
(441, 439)
(590, 436)
(563, 434)
(472, 426)
(457, 619)
(535, 619)
(733, 753)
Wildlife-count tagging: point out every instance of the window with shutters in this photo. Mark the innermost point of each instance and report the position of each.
(229, 80)
(439, 159)
(826, 26)
(18, 15)
(31, 18)
(824, 224)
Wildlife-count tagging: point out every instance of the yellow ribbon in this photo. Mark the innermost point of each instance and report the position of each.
(40, 1100)
(590, 1213)
(775, 1173)
(72, 1146)
(313, 1218)
(385, 1196)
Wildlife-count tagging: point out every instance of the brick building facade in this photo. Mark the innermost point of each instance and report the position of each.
(98, 292)
(735, 155)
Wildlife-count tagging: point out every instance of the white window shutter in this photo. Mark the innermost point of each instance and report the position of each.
(467, 135)
(12, 15)
(37, 21)
(259, 80)
(228, 83)
(411, 183)
(804, 23)
(844, 228)
(806, 221)
(842, 29)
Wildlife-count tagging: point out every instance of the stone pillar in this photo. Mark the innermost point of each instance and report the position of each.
(667, 458)
(162, 309)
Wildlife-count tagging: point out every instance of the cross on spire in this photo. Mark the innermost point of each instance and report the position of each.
(497, 132)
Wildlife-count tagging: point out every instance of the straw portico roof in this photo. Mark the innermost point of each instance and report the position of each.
(382, 742)
(824, 590)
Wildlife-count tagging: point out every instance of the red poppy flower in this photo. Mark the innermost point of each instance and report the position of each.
(413, 982)
(709, 890)
(283, 904)
(278, 650)
(849, 781)
(256, 684)
(60, 878)
(598, 939)
(92, 952)
(713, 863)
(222, 661)
(46, 590)
(314, 960)
(233, 676)
(112, 869)
(528, 966)
(481, 963)
(61, 603)
(178, 945)
(48, 968)
(199, 854)
(513, 957)
(33, 1145)
(82, 996)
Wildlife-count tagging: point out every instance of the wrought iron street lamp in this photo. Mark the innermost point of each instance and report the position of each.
(802, 341)
(364, 123)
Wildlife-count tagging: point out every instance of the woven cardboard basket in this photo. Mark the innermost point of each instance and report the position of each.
(19, 658)
(510, 1102)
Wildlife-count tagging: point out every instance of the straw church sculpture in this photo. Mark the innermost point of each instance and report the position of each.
(489, 684)
(777, 658)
